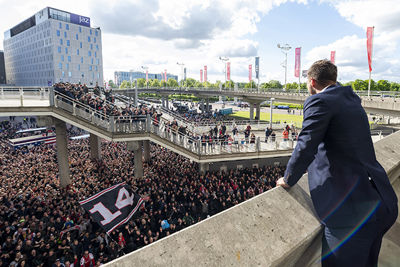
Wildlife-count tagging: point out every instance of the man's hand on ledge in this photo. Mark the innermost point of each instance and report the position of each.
(281, 182)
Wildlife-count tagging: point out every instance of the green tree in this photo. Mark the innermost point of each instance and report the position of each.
(198, 84)
(216, 84)
(125, 84)
(155, 83)
(172, 83)
(163, 83)
(383, 85)
(111, 84)
(141, 82)
(273, 84)
(250, 84)
(394, 86)
(189, 82)
(229, 84)
(207, 84)
(360, 85)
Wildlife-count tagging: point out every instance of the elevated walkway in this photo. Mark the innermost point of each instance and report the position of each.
(43, 102)
(276, 228)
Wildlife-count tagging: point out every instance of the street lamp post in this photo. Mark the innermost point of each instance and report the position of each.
(285, 49)
(223, 59)
(182, 65)
(270, 112)
(145, 68)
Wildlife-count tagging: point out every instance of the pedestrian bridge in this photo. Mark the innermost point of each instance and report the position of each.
(387, 103)
(276, 228)
(46, 102)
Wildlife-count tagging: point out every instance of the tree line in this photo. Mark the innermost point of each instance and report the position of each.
(357, 85)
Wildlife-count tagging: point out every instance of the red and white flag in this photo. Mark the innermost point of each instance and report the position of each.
(205, 73)
(370, 37)
(333, 54)
(201, 76)
(147, 76)
(297, 64)
(165, 75)
(250, 72)
(228, 71)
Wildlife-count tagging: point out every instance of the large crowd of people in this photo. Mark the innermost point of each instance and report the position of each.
(43, 225)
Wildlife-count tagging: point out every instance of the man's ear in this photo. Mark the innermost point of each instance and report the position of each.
(313, 82)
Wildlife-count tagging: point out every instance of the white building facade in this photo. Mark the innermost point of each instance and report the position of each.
(53, 46)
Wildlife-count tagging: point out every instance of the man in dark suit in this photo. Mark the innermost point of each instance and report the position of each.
(350, 190)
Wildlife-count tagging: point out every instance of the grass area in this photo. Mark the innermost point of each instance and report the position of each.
(276, 117)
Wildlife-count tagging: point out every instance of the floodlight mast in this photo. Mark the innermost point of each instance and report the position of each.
(285, 49)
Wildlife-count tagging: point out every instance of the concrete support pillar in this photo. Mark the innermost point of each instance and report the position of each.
(62, 153)
(251, 111)
(204, 167)
(136, 147)
(202, 105)
(166, 102)
(258, 111)
(208, 104)
(146, 150)
(95, 146)
(163, 101)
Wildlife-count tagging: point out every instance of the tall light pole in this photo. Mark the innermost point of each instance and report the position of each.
(270, 111)
(223, 59)
(285, 49)
(145, 68)
(182, 65)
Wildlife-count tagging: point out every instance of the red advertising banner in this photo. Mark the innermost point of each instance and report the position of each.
(250, 72)
(165, 75)
(205, 73)
(297, 62)
(228, 71)
(147, 76)
(370, 36)
(201, 76)
(333, 53)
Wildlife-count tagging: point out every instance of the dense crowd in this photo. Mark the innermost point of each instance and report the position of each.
(43, 225)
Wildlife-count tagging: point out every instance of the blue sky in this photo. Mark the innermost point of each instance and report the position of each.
(159, 33)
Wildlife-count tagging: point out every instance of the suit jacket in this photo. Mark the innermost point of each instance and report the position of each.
(336, 146)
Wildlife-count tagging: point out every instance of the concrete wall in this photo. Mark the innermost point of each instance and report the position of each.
(276, 228)
(279, 161)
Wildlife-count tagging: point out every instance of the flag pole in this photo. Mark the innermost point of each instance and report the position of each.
(372, 49)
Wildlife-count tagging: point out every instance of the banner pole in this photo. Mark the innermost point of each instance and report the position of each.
(369, 84)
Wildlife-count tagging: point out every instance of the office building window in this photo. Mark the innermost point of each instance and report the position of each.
(79, 67)
(80, 29)
(67, 66)
(95, 54)
(91, 46)
(62, 58)
(67, 26)
(81, 59)
(80, 45)
(90, 68)
(69, 74)
(60, 25)
(92, 61)
(96, 68)
(59, 49)
(97, 61)
(60, 66)
(89, 53)
(66, 50)
(58, 32)
(65, 34)
(76, 36)
(90, 31)
(88, 39)
(67, 42)
(96, 33)
(63, 73)
(77, 52)
(69, 58)
(94, 39)
(61, 42)
(97, 47)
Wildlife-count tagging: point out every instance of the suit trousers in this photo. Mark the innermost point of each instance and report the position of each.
(359, 245)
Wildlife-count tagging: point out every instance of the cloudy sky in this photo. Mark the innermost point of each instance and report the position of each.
(160, 33)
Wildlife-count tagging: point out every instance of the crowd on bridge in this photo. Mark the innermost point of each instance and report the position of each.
(43, 225)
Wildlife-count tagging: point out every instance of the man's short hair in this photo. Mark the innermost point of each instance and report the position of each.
(323, 71)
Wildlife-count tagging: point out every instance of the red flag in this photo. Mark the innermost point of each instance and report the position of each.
(370, 36)
(333, 53)
(297, 62)
(205, 73)
(165, 75)
(201, 76)
(228, 71)
(147, 76)
(250, 72)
